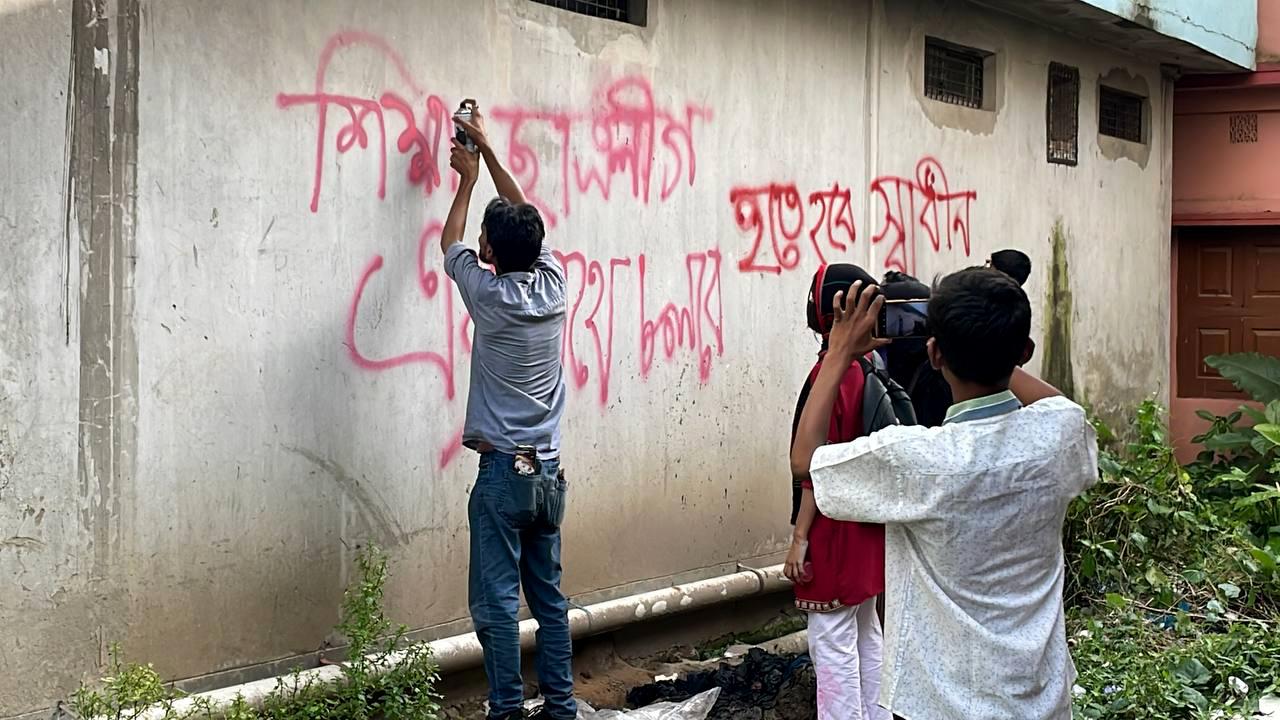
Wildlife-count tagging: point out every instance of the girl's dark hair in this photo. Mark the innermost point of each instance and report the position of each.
(514, 233)
(834, 278)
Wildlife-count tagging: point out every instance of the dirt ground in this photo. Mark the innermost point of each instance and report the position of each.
(605, 686)
(763, 686)
(757, 686)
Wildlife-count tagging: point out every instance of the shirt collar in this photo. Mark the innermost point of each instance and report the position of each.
(982, 408)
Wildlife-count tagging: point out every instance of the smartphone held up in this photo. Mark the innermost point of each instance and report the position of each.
(903, 319)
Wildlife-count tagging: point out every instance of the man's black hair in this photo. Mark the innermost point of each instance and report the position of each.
(980, 320)
(1013, 263)
(514, 233)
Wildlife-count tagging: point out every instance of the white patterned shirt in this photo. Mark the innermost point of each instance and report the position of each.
(973, 553)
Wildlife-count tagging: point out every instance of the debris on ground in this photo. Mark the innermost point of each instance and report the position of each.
(763, 686)
(697, 707)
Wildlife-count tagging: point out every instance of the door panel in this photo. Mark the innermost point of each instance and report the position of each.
(1228, 301)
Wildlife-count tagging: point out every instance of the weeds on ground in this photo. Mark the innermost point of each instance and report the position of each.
(1173, 587)
(384, 678)
(787, 622)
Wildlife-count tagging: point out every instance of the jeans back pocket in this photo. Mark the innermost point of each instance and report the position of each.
(524, 498)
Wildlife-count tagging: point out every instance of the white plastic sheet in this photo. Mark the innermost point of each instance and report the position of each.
(697, 707)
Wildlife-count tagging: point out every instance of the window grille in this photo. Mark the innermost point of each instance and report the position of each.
(627, 11)
(1063, 113)
(953, 74)
(1120, 114)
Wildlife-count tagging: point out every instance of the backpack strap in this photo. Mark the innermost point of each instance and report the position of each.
(884, 402)
(919, 374)
(795, 426)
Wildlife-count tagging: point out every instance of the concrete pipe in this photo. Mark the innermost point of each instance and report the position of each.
(463, 652)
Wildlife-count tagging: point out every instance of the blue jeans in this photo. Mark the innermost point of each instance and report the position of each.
(515, 538)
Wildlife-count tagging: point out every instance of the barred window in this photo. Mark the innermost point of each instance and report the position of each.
(954, 74)
(627, 11)
(1062, 115)
(1120, 114)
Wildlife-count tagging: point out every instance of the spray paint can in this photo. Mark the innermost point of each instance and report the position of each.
(464, 113)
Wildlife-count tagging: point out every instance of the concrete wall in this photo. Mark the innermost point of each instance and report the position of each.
(1226, 29)
(226, 363)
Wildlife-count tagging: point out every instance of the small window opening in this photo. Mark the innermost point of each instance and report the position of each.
(1244, 128)
(954, 74)
(1120, 114)
(627, 11)
(1063, 113)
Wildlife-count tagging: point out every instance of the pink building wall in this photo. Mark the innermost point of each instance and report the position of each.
(1220, 182)
(1268, 31)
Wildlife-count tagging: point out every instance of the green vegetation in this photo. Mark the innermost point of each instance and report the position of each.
(787, 622)
(371, 686)
(1173, 587)
(1173, 590)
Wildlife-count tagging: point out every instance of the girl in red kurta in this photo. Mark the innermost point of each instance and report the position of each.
(838, 567)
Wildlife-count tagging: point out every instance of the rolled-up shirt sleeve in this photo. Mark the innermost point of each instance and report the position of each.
(463, 267)
(871, 479)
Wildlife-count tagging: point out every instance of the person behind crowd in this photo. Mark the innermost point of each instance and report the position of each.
(838, 567)
(973, 510)
(1013, 263)
(516, 400)
(907, 359)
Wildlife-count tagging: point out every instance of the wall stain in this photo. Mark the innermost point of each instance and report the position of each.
(375, 511)
(1058, 369)
(101, 211)
(21, 541)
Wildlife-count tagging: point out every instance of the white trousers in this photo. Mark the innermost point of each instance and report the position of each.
(846, 647)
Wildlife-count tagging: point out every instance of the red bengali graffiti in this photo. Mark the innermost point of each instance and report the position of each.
(697, 326)
(770, 208)
(624, 142)
(776, 209)
(925, 202)
(624, 127)
(423, 142)
(836, 218)
(624, 132)
(429, 284)
(590, 274)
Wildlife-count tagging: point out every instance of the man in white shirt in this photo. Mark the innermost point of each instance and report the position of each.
(973, 509)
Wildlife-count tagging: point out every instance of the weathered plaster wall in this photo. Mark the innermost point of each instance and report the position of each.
(222, 374)
(1228, 29)
(1112, 208)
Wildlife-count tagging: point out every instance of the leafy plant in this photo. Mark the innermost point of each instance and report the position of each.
(1172, 589)
(384, 677)
(1252, 446)
(127, 689)
(1254, 373)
